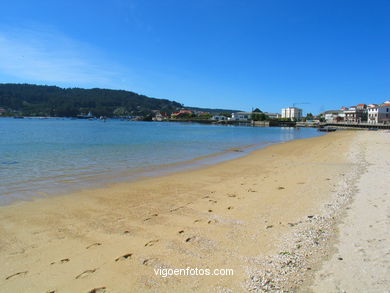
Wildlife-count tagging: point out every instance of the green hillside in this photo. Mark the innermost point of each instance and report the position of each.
(38, 100)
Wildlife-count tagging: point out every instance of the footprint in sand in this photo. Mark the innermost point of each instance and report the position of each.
(213, 201)
(20, 274)
(180, 232)
(124, 257)
(189, 239)
(210, 211)
(93, 245)
(151, 243)
(197, 221)
(212, 221)
(146, 262)
(281, 187)
(175, 209)
(147, 219)
(65, 260)
(85, 274)
(206, 196)
(230, 208)
(149, 261)
(293, 224)
(98, 290)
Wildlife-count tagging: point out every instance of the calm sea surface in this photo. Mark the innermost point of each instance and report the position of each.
(44, 156)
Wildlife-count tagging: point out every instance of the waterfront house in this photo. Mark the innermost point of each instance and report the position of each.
(356, 114)
(333, 115)
(273, 115)
(379, 113)
(182, 113)
(292, 113)
(157, 116)
(219, 118)
(242, 116)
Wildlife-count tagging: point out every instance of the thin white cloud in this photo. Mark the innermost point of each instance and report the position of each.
(46, 56)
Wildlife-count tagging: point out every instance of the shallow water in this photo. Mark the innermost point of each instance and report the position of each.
(44, 156)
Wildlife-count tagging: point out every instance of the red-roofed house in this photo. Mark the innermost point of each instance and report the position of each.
(181, 113)
(356, 114)
(379, 114)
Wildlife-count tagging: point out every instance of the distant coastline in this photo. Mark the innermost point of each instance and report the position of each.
(53, 101)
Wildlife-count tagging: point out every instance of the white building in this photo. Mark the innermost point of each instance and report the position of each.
(356, 114)
(334, 115)
(379, 114)
(158, 117)
(219, 118)
(273, 115)
(292, 112)
(242, 116)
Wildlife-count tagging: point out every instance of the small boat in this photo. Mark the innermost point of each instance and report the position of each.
(327, 129)
(89, 116)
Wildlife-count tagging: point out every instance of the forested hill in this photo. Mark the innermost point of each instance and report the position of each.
(38, 100)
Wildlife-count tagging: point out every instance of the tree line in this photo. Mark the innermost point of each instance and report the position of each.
(38, 100)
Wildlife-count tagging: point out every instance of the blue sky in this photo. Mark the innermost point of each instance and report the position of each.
(221, 54)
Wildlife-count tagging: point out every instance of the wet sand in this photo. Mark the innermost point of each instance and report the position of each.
(258, 215)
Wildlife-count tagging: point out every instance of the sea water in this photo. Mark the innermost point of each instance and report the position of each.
(49, 156)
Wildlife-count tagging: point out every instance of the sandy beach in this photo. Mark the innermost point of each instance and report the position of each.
(281, 218)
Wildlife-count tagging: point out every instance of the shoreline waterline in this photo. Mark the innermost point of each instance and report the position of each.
(104, 180)
(193, 218)
(99, 174)
(267, 215)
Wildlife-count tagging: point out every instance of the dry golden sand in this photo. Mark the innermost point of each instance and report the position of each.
(220, 216)
(361, 258)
